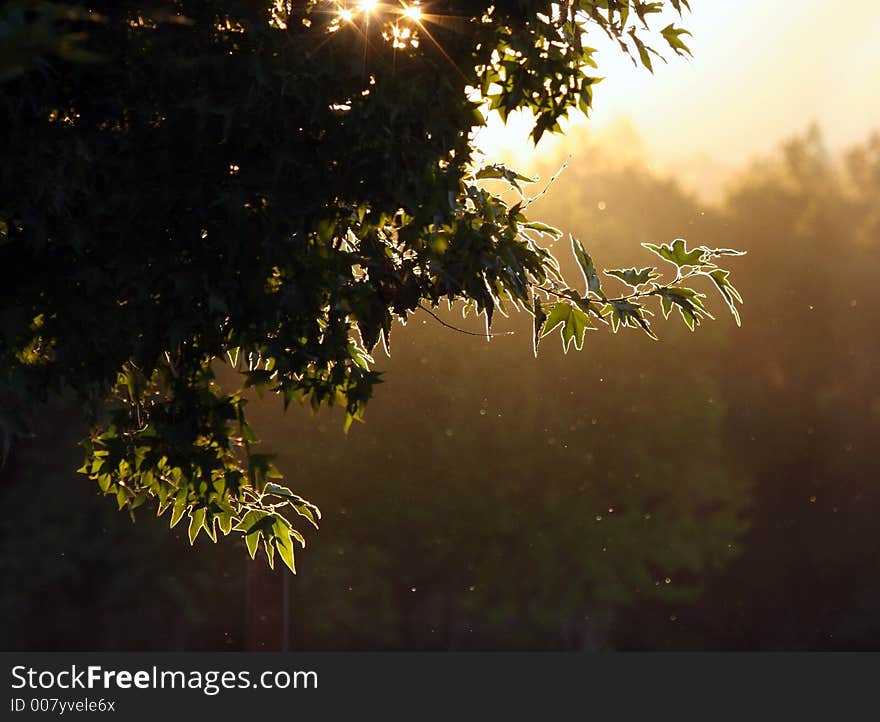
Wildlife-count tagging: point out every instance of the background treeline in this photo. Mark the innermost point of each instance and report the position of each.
(716, 490)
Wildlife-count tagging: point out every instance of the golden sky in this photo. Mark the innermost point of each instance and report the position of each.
(762, 70)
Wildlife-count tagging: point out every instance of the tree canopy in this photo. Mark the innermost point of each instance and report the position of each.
(269, 186)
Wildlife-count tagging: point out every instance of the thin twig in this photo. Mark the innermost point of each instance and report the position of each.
(529, 201)
(461, 330)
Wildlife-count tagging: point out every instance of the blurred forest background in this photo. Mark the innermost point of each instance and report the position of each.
(716, 490)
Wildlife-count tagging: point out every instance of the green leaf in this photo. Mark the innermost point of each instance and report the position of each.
(196, 522)
(252, 527)
(643, 50)
(688, 302)
(302, 507)
(347, 422)
(269, 548)
(180, 504)
(731, 296)
(543, 228)
(224, 521)
(635, 277)
(539, 317)
(591, 278)
(678, 253)
(299, 537)
(283, 491)
(497, 171)
(673, 35)
(250, 521)
(104, 481)
(252, 541)
(210, 525)
(628, 313)
(307, 511)
(643, 8)
(283, 542)
(574, 322)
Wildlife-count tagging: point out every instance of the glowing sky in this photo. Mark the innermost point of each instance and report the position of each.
(762, 71)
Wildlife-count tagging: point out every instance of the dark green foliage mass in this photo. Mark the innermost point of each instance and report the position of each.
(271, 185)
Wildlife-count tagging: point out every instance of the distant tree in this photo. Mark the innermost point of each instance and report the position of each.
(271, 184)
